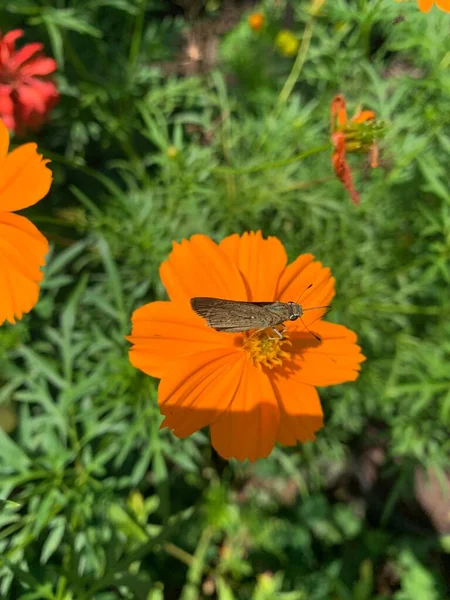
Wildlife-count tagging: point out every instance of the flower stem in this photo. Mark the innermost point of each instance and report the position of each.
(300, 59)
(273, 165)
(194, 575)
(136, 38)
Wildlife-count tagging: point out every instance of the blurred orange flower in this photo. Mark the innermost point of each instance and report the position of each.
(24, 180)
(356, 135)
(256, 21)
(427, 5)
(252, 390)
(26, 93)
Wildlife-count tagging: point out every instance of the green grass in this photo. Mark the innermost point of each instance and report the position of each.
(98, 502)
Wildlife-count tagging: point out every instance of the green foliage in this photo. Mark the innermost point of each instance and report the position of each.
(98, 503)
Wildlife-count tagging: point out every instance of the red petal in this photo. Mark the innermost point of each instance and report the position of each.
(338, 113)
(39, 66)
(31, 98)
(7, 108)
(9, 39)
(341, 166)
(25, 54)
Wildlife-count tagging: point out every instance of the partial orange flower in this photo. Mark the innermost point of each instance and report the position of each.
(256, 21)
(252, 389)
(427, 5)
(24, 180)
(357, 135)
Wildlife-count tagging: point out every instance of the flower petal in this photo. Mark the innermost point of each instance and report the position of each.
(4, 137)
(24, 54)
(444, 5)
(260, 261)
(22, 253)
(7, 116)
(24, 178)
(35, 99)
(164, 332)
(338, 113)
(300, 410)
(199, 388)
(363, 115)
(248, 427)
(341, 166)
(425, 5)
(10, 37)
(335, 359)
(310, 283)
(198, 267)
(31, 99)
(42, 65)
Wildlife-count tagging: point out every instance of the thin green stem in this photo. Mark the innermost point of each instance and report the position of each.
(297, 67)
(178, 553)
(303, 185)
(194, 575)
(136, 38)
(272, 165)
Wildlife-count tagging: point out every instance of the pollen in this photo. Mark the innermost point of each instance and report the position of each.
(266, 349)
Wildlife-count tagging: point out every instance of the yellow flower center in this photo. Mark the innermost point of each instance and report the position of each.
(266, 349)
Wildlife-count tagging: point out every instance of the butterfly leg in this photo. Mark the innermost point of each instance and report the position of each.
(278, 333)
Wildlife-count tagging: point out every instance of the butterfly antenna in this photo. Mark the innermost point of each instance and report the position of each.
(312, 307)
(328, 308)
(306, 326)
(305, 290)
(315, 336)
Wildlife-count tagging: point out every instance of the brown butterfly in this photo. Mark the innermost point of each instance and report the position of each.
(234, 316)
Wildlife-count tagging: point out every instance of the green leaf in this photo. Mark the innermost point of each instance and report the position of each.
(53, 540)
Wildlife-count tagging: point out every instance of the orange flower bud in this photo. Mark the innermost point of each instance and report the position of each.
(256, 21)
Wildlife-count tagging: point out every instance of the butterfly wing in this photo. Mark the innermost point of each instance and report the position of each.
(231, 316)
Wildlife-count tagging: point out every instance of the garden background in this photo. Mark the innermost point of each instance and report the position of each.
(177, 118)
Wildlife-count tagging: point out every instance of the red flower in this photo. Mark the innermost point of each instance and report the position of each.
(356, 135)
(26, 94)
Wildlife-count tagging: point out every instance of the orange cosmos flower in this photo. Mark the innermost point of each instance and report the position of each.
(251, 389)
(24, 180)
(256, 21)
(356, 135)
(427, 5)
